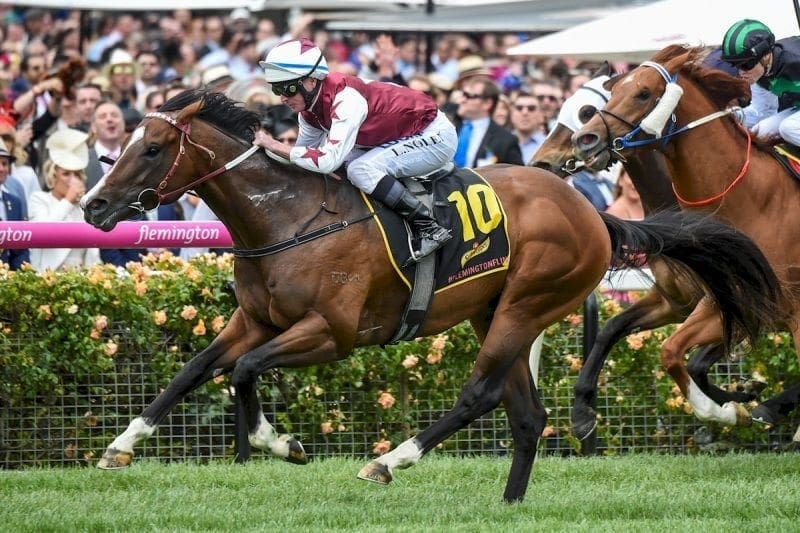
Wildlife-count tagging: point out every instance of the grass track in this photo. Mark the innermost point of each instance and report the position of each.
(632, 493)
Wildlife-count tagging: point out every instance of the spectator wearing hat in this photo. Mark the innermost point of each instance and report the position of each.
(217, 78)
(121, 72)
(22, 179)
(470, 68)
(481, 141)
(11, 208)
(65, 177)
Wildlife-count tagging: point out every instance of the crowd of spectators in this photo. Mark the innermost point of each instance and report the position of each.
(57, 78)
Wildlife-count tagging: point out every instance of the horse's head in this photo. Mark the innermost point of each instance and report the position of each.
(154, 166)
(644, 100)
(555, 153)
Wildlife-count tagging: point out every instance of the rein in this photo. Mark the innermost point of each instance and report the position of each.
(186, 130)
(712, 199)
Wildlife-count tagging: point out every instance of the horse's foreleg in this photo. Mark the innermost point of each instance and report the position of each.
(308, 342)
(218, 358)
(650, 312)
(702, 327)
(769, 411)
(527, 418)
(483, 391)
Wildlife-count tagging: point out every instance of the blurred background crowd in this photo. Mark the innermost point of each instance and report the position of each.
(95, 87)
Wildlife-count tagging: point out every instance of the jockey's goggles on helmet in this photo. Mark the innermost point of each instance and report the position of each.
(750, 64)
(287, 89)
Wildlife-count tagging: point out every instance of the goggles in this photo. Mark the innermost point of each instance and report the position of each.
(749, 64)
(288, 89)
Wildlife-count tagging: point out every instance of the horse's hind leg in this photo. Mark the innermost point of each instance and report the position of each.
(527, 418)
(699, 366)
(650, 312)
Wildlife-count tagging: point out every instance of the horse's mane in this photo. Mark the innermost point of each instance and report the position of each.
(226, 114)
(719, 86)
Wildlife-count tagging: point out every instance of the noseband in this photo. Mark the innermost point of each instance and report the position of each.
(166, 197)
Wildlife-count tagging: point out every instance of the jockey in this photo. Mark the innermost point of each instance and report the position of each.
(750, 46)
(381, 130)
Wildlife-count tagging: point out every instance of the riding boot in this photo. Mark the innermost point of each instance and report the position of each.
(430, 235)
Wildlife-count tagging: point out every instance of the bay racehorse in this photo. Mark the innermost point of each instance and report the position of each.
(670, 300)
(294, 312)
(676, 105)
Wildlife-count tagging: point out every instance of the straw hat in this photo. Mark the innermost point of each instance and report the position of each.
(4, 151)
(471, 65)
(68, 150)
(120, 57)
(216, 75)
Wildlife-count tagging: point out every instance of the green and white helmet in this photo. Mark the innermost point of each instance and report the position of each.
(295, 59)
(747, 40)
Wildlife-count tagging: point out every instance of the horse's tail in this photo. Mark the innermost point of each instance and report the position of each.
(736, 273)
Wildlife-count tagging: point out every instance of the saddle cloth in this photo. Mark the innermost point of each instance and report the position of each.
(789, 156)
(464, 202)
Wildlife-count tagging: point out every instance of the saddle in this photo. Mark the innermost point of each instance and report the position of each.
(464, 202)
(788, 155)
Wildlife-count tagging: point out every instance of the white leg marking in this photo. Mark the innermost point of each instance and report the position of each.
(405, 455)
(796, 437)
(707, 409)
(266, 438)
(138, 430)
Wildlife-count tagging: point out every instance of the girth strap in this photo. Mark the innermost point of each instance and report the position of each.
(422, 289)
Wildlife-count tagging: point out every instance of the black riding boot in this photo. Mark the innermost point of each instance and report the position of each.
(429, 233)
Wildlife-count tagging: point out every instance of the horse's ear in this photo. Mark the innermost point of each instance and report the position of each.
(187, 113)
(604, 70)
(609, 83)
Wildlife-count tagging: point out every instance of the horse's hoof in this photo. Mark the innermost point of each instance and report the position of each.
(743, 417)
(763, 416)
(297, 455)
(376, 472)
(583, 423)
(754, 387)
(115, 460)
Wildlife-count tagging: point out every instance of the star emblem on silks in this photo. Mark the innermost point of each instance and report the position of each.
(313, 154)
(333, 110)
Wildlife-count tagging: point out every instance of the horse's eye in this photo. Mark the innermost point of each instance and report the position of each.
(643, 95)
(586, 113)
(153, 150)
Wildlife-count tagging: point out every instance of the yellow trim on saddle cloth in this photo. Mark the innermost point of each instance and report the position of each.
(787, 154)
(465, 206)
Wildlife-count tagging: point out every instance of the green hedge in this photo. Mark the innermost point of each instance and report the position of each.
(62, 332)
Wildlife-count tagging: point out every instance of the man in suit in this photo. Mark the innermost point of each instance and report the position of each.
(108, 127)
(10, 209)
(481, 141)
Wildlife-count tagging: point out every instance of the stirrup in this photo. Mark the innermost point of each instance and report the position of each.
(429, 242)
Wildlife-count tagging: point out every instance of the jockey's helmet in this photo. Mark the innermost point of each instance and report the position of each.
(292, 60)
(746, 42)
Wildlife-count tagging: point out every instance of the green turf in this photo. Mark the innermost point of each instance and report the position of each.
(632, 493)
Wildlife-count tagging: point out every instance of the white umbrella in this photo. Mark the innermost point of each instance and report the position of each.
(635, 34)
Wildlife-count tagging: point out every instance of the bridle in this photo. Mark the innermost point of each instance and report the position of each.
(166, 197)
(654, 122)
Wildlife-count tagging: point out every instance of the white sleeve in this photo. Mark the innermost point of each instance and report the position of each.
(308, 135)
(763, 104)
(349, 110)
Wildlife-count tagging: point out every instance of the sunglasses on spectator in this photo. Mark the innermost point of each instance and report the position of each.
(286, 89)
(472, 96)
(529, 107)
(288, 140)
(122, 69)
(543, 97)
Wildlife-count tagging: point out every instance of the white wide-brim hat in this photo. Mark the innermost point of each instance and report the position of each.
(67, 149)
